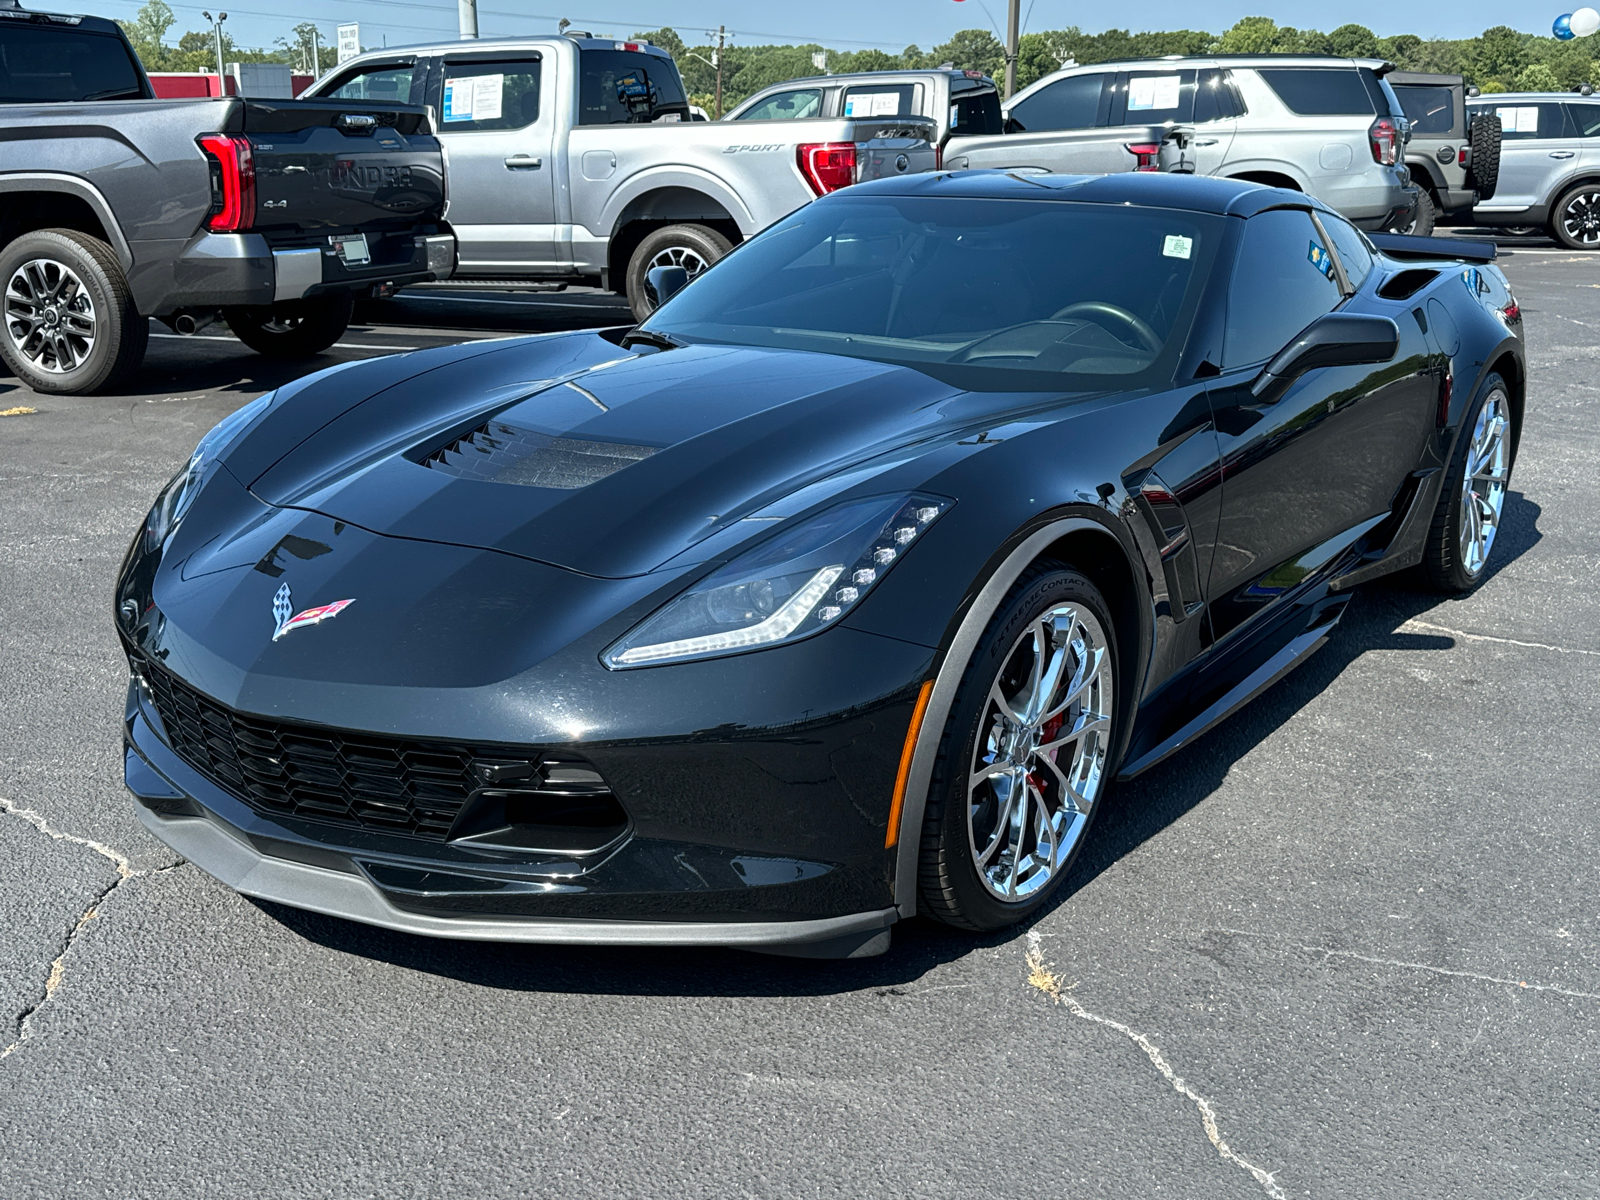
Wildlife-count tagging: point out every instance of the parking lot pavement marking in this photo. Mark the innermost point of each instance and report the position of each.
(1051, 984)
(125, 872)
(20, 411)
(1415, 625)
(1328, 952)
(200, 337)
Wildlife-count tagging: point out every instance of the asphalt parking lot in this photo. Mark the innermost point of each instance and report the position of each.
(1346, 946)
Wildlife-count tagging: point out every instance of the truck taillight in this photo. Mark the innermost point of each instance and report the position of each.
(827, 166)
(1385, 140)
(233, 182)
(1147, 155)
(1462, 155)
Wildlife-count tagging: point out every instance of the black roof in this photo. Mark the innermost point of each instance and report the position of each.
(14, 12)
(1198, 193)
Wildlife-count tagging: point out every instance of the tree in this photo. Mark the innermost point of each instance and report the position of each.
(1538, 78)
(972, 50)
(1398, 49)
(1500, 54)
(1249, 35)
(665, 37)
(1354, 41)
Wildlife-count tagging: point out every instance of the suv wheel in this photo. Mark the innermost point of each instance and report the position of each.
(692, 247)
(1483, 135)
(71, 324)
(1422, 218)
(295, 328)
(1575, 219)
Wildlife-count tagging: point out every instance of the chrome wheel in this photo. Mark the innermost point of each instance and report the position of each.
(49, 316)
(678, 256)
(1483, 485)
(1043, 740)
(1580, 217)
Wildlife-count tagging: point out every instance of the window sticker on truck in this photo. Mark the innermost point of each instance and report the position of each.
(1519, 120)
(1154, 92)
(474, 98)
(872, 104)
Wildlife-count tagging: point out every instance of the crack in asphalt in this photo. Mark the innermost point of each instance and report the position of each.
(1052, 985)
(125, 872)
(1328, 952)
(1415, 624)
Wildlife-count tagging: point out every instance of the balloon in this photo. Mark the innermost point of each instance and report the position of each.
(1584, 22)
(1563, 28)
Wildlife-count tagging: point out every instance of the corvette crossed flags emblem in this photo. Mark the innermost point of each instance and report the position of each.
(282, 606)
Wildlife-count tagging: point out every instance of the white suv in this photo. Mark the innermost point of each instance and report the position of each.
(1329, 127)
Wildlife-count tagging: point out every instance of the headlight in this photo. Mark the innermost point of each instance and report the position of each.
(179, 493)
(787, 588)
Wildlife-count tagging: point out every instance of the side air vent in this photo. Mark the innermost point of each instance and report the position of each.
(1406, 284)
(502, 453)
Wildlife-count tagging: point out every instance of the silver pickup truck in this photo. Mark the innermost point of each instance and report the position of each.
(573, 158)
(116, 207)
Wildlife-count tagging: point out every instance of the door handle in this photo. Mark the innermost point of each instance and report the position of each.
(524, 162)
(1205, 141)
(1562, 153)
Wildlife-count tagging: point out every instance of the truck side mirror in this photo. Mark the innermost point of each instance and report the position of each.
(662, 283)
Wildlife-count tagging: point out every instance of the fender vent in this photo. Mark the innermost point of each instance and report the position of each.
(1407, 283)
(501, 453)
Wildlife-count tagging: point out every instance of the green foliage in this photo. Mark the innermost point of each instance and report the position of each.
(196, 50)
(1538, 78)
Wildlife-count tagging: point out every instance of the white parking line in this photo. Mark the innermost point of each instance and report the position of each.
(201, 337)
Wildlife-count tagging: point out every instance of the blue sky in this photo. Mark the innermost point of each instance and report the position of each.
(844, 24)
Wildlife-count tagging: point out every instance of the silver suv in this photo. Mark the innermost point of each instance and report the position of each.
(1549, 165)
(1329, 127)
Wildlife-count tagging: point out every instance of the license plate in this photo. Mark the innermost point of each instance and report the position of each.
(351, 248)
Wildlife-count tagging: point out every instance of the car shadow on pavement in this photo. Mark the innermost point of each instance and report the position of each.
(1132, 815)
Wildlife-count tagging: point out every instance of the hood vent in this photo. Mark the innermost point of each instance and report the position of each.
(501, 453)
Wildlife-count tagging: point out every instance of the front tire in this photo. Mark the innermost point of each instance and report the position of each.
(71, 326)
(1575, 219)
(1025, 757)
(692, 247)
(1422, 221)
(1468, 515)
(295, 328)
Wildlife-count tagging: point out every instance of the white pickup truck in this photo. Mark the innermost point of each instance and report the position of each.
(573, 158)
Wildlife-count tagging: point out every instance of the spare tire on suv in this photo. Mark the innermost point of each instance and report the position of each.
(1483, 135)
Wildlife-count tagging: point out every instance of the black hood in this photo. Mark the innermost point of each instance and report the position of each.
(575, 453)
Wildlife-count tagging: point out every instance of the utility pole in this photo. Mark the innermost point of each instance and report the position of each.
(722, 31)
(216, 28)
(467, 12)
(1013, 23)
(316, 54)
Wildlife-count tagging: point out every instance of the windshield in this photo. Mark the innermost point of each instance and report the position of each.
(45, 64)
(1010, 295)
(621, 87)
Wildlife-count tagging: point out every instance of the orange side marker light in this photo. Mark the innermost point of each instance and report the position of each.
(906, 752)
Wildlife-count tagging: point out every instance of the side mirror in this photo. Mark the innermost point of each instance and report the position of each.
(662, 283)
(1011, 125)
(1336, 340)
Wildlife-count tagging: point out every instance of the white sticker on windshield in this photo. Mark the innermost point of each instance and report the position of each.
(1523, 119)
(1177, 246)
(474, 98)
(1153, 92)
(872, 104)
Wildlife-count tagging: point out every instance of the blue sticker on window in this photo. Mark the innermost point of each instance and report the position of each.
(1321, 260)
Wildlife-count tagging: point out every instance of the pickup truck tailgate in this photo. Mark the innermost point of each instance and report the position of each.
(324, 166)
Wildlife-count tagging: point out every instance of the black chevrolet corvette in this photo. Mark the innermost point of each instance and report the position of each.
(840, 590)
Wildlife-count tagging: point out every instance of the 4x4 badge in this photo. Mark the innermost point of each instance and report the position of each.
(282, 607)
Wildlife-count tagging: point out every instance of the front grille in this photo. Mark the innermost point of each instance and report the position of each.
(283, 768)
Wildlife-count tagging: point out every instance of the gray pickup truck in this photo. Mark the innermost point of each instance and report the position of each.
(116, 207)
(574, 158)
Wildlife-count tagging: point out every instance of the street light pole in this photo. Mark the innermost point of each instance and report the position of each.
(216, 28)
(1013, 24)
(316, 54)
(467, 14)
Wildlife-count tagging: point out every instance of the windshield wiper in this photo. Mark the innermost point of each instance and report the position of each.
(650, 337)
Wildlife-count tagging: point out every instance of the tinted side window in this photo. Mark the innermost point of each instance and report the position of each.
(1350, 246)
(787, 106)
(64, 64)
(881, 100)
(490, 95)
(1071, 103)
(620, 87)
(1586, 117)
(399, 83)
(1431, 109)
(1321, 91)
(1525, 122)
(975, 113)
(1282, 281)
(1214, 97)
(1155, 97)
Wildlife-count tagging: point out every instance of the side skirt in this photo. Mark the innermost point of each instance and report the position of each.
(1301, 647)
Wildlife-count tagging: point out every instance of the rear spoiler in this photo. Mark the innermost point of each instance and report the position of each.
(1403, 245)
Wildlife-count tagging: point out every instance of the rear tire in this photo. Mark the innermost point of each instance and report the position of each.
(71, 327)
(1422, 221)
(1470, 507)
(1575, 218)
(1483, 135)
(295, 328)
(693, 247)
(982, 867)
